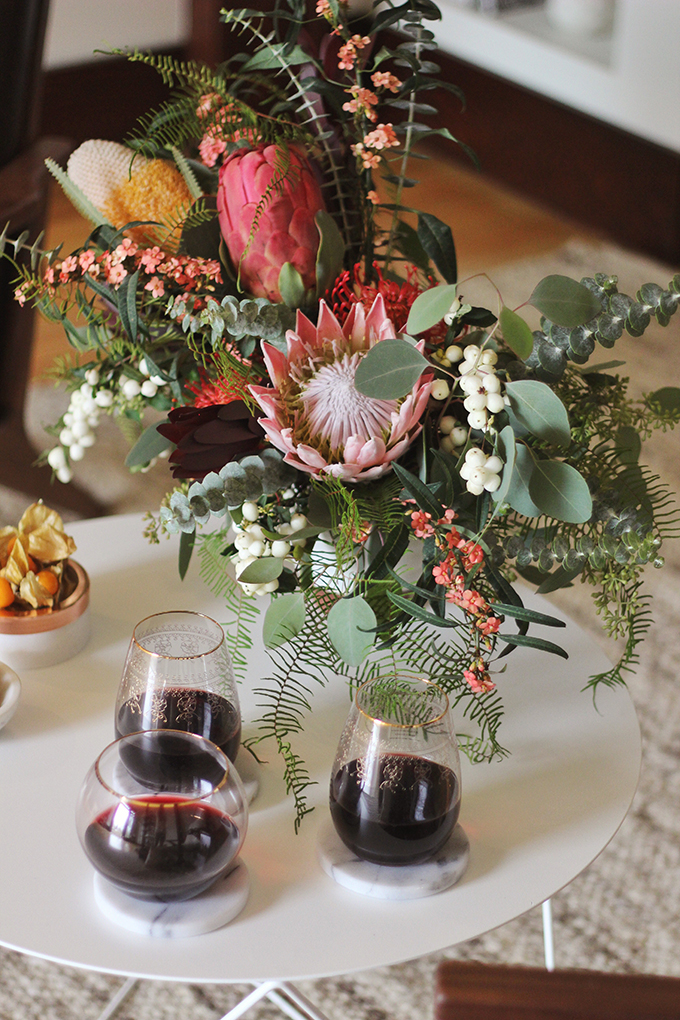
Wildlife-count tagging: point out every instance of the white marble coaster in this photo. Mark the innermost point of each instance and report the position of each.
(401, 882)
(249, 773)
(211, 909)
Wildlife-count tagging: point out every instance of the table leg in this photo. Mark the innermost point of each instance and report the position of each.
(118, 999)
(548, 945)
(284, 995)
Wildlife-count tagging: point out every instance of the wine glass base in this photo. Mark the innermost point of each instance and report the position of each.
(211, 909)
(398, 882)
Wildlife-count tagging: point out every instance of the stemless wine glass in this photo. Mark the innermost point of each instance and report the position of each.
(178, 675)
(395, 784)
(168, 845)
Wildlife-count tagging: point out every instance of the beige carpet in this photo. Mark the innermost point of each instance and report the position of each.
(622, 914)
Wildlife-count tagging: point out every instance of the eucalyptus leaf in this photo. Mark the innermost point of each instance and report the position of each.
(561, 492)
(284, 618)
(430, 307)
(540, 410)
(565, 301)
(390, 370)
(351, 626)
(516, 333)
(517, 495)
(508, 452)
(262, 571)
(148, 446)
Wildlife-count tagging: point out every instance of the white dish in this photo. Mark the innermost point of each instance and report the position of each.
(10, 689)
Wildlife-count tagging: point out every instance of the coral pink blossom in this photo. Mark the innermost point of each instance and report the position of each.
(314, 413)
(267, 200)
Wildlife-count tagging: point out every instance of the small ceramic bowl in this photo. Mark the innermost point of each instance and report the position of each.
(37, 638)
(10, 689)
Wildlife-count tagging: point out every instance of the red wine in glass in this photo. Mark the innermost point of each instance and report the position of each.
(401, 812)
(193, 710)
(163, 847)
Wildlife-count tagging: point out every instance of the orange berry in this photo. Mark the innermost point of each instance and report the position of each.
(49, 581)
(31, 563)
(6, 593)
(10, 544)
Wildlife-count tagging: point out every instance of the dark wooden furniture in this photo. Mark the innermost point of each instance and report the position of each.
(23, 202)
(475, 991)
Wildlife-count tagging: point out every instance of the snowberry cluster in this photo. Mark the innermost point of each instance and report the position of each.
(131, 388)
(252, 543)
(480, 471)
(80, 421)
(483, 387)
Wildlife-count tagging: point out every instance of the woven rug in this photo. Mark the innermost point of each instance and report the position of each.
(621, 914)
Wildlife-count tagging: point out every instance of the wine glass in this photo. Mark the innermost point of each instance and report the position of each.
(162, 814)
(395, 784)
(178, 675)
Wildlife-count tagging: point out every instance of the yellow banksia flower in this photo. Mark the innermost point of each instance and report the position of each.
(126, 187)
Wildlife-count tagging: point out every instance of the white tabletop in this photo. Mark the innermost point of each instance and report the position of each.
(535, 819)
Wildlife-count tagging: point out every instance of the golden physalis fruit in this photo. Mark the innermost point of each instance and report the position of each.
(32, 558)
(49, 581)
(6, 593)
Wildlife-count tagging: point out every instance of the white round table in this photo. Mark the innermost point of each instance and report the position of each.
(535, 819)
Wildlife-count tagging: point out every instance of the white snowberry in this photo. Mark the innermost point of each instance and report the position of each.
(250, 511)
(130, 388)
(440, 389)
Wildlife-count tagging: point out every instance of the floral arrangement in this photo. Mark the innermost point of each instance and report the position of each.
(378, 459)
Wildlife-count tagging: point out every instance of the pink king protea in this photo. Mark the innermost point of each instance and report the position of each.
(314, 413)
(285, 230)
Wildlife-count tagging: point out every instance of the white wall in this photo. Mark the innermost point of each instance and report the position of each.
(633, 82)
(77, 27)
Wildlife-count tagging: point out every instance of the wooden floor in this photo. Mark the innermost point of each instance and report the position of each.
(490, 224)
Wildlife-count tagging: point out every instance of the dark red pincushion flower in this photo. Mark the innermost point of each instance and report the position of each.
(207, 438)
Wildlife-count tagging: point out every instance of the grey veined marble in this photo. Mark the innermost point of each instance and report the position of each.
(400, 882)
(211, 909)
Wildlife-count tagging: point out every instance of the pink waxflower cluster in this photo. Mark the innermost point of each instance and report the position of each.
(113, 266)
(462, 556)
(477, 676)
(369, 151)
(363, 100)
(349, 51)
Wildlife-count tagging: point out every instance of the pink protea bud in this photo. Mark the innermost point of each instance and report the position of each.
(285, 229)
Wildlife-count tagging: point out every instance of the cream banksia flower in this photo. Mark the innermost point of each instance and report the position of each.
(314, 413)
(125, 186)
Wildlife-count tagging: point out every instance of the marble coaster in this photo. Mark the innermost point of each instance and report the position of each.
(401, 882)
(211, 909)
(249, 773)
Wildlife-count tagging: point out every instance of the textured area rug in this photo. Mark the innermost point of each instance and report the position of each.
(622, 914)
